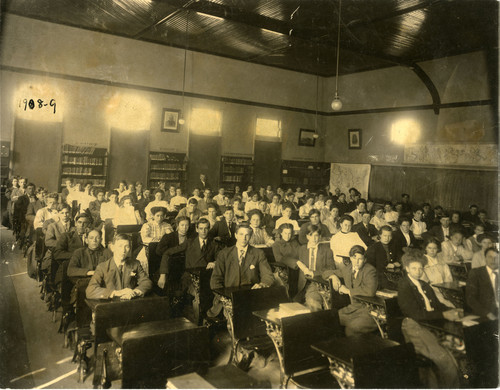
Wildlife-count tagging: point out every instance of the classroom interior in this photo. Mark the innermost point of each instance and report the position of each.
(241, 91)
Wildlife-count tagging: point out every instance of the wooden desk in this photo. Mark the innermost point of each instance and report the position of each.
(393, 275)
(150, 352)
(453, 291)
(460, 270)
(368, 361)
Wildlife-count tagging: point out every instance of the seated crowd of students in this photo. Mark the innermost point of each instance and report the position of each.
(353, 243)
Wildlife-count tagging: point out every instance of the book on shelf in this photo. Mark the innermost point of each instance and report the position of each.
(72, 149)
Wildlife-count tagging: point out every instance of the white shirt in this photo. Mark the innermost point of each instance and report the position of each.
(407, 237)
(203, 241)
(341, 244)
(428, 306)
(418, 228)
(313, 254)
(177, 201)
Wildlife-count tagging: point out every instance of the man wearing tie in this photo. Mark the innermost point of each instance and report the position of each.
(85, 260)
(119, 276)
(241, 264)
(360, 278)
(314, 259)
(225, 229)
(441, 231)
(72, 240)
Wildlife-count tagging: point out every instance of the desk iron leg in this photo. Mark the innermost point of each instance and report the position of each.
(274, 333)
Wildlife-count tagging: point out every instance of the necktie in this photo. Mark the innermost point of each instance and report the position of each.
(229, 228)
(203, 246)
(242, 256)
(120, 271)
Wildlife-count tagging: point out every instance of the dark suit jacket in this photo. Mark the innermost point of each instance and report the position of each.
(286, 252)
(106, 279)
(479, 292)
(195, 257)
(377, 257)
(324, 262)
(220, 229)
(436, 231)
(365, 233)
(95, 211)
(168, 246)
(399, 243)
(365, 283)
(66, 245)
(412, 303)
(228, 273)
(81, 262)
(54, 231)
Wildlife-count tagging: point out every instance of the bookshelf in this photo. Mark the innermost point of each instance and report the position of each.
(84, 164)
(4, 164)
(167, 167)
(312, 175)
(236, 171)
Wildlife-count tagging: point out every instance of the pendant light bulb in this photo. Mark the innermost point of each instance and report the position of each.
(336, 103)
(181, 121)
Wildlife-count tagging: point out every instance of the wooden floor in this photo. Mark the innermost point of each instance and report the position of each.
(32, 354)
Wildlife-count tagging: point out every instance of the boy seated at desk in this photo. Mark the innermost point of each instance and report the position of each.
(418, 302)
(314, 259)
(360, 279)
(84, 260)
(120, 276)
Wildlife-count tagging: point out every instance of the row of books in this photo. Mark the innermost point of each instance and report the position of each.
(165, 157)
(165, 176)
(169, 167)
(71, 149)
(234, 170)
(82, 160)
(237, 160)
(233, 178)
(77, 171)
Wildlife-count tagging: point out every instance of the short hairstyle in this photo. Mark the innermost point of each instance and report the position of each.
(403, 219)
(83, 215)
(211, 206)
(313, 229)
(99, 190)
(426, 205)
(159, 190)
(387, 203)
(473, 205)
(192, 201)
(53, 195)
(490, 249)
(353, 189)
(456, 231)
(244, 225)
(413, 255)
(314, 211)
(361, 200)
(113, 192)
(432, 240)
(62, 206)
(121, 236)
(385, 228)
(180, 219)
(484, 236)
(418, 208)
(405, 194)
(95, 230)
(357, 249)
(30, 185)
(284, 226)
(157, 209)
(287, 205)
(138, 183)
(202, 220)
(444, 215)
(123, 182)
(346, 217)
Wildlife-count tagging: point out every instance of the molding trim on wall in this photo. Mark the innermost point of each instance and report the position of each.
(164, 91)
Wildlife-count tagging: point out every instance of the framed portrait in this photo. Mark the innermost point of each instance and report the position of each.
(306, 137)
(170, 120)
(354, 138)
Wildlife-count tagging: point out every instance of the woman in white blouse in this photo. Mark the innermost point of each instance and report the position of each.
(127, 214)
(332, 221)
(436, 270)
(259, 238)
(275, 208)
(418, 227)
(378, 219)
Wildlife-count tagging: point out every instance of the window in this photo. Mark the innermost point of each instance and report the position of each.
(205, 121)
(405, 131)
(268, 128)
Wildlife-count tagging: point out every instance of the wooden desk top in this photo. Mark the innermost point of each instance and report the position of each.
(93, 303)
(347, 348)
(148, 329)
(228, 291)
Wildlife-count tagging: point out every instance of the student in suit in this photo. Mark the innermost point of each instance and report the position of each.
(287, 218)
(72, 240)
(56, 229)
(307, 207)
(418, 302)
(172, 244)
(314, 259)
(314, 219)
(472, 243)
(359, 278)
(488, 226)
(225, 230)
(359, 211)
(47, 214)
(95, 207)
(267, 222)
(481, 291)
(120, 276)
(403, 237)
(203, 183)
(441, 231)
(85, 260)
(381, 254)
(241, 264)
(191, 211)
(286, 247)
(479, 258)
(367, 232)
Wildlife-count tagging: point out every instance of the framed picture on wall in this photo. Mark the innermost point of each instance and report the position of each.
(306, 137)
(354, 138)
(170, 120)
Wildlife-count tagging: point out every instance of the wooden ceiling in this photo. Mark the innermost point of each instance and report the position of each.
(299, 35)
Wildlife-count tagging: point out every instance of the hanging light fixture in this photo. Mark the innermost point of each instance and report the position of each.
(316, 135)
(181, 119)
(337, 103)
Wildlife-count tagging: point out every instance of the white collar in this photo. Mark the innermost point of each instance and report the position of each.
(311, 246)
